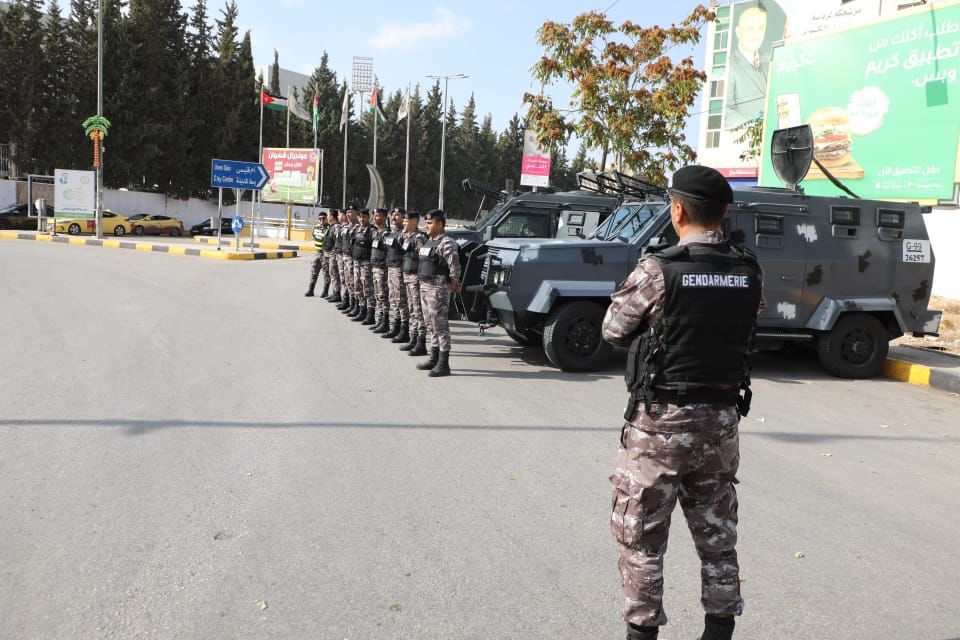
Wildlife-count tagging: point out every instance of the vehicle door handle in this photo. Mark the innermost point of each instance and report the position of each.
(788, 277)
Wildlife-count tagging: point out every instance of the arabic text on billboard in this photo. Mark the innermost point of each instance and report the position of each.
(74, 194)
(535, 169)
(882, 100)
(293, 175)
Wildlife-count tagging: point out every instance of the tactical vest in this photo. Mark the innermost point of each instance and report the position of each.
(432, 263)
(391, 243)
(319, 234)
(698, 353)
(330, 239)
(362, 243)
(411, 255)
(342, 239)
(378, 253)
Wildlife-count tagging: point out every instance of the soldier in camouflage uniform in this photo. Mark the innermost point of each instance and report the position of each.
(688, 314)
(363, 270)
(344, 245)
(378, 262)
(439, 274)
(330, 254)
(412, 241)
(396, 291)
(319, 264)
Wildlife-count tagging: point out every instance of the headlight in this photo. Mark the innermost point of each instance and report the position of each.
(498, 277)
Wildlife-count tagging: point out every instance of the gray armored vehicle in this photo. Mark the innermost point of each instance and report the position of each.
(842, 274)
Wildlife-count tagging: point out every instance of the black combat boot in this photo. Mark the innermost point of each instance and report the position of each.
(384, 325)
(410, 345)
(403, 333)
(443, 366)
(717, 627)
(334, 297)
(377, 320)
(369, 319)
(432, 361)
(420, 347)
(344, 302)
(641, 633)
(309, 293)
(359, 313)
(393, 329)
(326, 290)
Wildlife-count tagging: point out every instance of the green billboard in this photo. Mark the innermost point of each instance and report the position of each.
(882, 100)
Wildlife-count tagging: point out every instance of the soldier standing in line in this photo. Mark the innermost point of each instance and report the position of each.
(319, 264)
(439, 274)
(412, 241)
(362, 249)
(378, 263)
(396, 291)
(346, 271)
(688, 313)
(329, 252)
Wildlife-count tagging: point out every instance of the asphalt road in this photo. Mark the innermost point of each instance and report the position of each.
(192, 449)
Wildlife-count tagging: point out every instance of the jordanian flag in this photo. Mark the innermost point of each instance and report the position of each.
(272, 102)
(376, 107)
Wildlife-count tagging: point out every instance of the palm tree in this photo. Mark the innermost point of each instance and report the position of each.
(96, 128)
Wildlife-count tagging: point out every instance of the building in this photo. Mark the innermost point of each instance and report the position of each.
(288, 79)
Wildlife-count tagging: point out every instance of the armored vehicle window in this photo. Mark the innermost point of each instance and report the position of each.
(845, 215)
(610, 226)
(770, 225)
(890, 218)
(525, 225)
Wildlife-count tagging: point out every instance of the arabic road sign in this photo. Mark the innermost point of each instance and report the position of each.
(74, 194)
(234, 174)
(236, 224)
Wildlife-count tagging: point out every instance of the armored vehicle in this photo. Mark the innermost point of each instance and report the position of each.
(841, 274)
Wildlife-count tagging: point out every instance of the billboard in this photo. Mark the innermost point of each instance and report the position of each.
(293, 175)
(882, 99)
(74, 194)
(535, 167)
(755, 26)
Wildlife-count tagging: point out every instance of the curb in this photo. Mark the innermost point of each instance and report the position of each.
(177, 250)
(921, 375)
(258, 245)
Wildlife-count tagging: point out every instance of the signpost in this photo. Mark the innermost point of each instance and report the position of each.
(535, 169)
(236, 175)
(74, 194)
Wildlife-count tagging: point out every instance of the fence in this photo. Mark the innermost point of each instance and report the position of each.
(4, 161)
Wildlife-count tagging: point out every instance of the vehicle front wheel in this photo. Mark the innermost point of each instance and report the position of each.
(119, 230)
(74, 229)
(856, 347)
(572, 338)
(175, 232)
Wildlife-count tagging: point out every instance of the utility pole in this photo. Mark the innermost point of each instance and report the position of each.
(443, 119)
(98, 213)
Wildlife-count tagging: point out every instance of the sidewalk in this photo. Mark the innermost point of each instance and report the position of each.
(170, 246)
(924, 367)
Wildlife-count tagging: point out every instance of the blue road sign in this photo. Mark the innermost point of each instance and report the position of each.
(236, 224)
(233, 174)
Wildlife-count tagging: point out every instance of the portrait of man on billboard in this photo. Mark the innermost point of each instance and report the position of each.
(756, 26)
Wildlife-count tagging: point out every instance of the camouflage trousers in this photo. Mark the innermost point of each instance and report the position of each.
(333, 273)
(380, 288)
(317, 266)
(689, 453)
(363, 282)
(346, 273)
(397, 294)
(435, 299)
(411, 283)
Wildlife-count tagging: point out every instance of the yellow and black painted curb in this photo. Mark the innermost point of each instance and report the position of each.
(258, 245)
(921, 375)
(173, 249)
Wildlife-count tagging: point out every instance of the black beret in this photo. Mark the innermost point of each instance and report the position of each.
(436, 214)
(364, 211)
(334, 211)
(350, 207)
(380, 210)
(399, 210)
(411, 214)
(702, 183)
(321, 214)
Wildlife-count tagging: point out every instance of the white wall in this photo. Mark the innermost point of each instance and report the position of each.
(943, 226)
(8, 192)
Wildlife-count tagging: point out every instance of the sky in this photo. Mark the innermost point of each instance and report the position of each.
(494, 42)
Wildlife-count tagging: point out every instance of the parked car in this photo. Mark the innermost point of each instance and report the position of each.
(156, 224)
(15, 216)
(204, 228)
(113, 223)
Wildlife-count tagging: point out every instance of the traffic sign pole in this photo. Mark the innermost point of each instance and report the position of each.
(219, 217)
(237, 215)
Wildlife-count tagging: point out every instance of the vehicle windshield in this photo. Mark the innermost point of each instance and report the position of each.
(638, 224)
(606, 230)
(485, 222)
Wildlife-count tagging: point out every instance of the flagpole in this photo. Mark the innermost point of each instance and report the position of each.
(376, 101)
(406, 173)
(288, 116)
(255, 197)
(346, 134)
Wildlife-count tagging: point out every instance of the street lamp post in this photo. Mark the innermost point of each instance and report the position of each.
(443, 131)
(98, 207)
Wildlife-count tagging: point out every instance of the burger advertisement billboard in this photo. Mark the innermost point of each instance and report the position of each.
(882, 100)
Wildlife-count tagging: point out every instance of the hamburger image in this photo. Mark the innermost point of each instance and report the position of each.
(831, 136)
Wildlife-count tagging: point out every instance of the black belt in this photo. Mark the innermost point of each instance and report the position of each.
(696, 396)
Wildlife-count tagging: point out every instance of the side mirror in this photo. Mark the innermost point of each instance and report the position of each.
(488, 234)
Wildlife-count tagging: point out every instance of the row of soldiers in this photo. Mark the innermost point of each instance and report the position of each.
(393, 278)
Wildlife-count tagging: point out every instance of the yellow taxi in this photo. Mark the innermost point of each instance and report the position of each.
(156, 224)
(113, 223)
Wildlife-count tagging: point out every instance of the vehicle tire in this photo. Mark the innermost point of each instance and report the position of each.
(572, 337)
(74, 229)
(175, 232)
(525, 338)
(138, 230)
(856, 347)
(119, 230)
